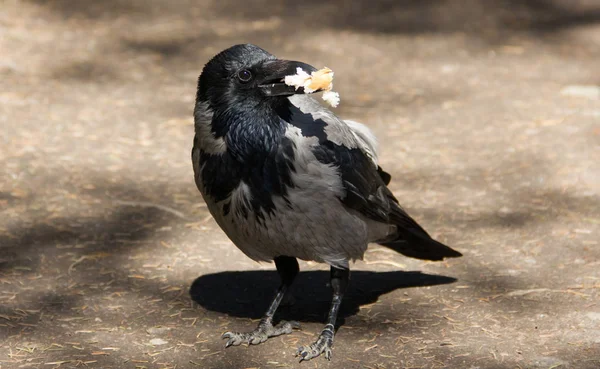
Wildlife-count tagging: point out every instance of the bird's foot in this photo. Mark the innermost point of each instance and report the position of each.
(263, 332)
(323, 344)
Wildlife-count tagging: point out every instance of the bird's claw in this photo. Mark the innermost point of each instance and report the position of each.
(234, 339)
(263, 332)
(322, 345)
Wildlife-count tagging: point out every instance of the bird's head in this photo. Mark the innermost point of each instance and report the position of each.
(246, 76)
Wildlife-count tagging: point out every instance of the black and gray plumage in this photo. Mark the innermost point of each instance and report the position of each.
(286, 179)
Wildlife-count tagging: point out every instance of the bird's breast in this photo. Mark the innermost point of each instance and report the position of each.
(262, 177)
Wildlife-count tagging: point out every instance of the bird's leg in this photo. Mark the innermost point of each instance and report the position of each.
(288, 269)
(339, 283)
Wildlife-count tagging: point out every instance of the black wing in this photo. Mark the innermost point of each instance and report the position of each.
(365, 183)
(365, 186)
(366, 192)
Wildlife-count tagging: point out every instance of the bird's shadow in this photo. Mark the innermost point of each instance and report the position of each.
(247, 294)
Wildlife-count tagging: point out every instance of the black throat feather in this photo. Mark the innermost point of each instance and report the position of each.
(258, 154)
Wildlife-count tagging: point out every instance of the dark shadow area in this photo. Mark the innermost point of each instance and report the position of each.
(92, 9)
(58, 247)
(247, 294)
(522, 209)
(521, 202)
(86, 71)
(553, 15)
(492, 21)
(175, 45)
(120, 230)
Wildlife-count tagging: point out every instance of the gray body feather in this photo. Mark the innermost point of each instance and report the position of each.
(312, 224)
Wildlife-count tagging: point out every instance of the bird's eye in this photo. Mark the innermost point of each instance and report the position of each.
(244, 75)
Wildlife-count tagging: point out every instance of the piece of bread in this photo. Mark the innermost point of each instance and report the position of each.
(320, 80)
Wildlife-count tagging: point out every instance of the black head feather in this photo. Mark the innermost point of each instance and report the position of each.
(219, 85)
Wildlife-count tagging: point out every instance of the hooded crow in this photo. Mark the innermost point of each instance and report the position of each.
(286, 179)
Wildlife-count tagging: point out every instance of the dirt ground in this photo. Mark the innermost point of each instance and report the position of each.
(488, 113)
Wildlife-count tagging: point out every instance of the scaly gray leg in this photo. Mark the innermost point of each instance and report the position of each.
(288, 269)
(339, 283)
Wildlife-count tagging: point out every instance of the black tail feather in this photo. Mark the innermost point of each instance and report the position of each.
(413, 241)
(421, 248)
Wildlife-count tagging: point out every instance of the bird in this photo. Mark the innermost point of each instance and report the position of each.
(287, 179)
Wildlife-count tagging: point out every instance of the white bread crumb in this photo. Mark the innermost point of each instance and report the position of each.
(332, 98)
(297, 80)
(320, 80)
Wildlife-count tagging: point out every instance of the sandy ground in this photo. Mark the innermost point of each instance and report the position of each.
(488, 115)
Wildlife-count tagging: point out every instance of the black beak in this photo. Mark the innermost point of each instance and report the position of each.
(274, 72)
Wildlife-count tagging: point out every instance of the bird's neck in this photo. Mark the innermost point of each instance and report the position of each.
(249, 136)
